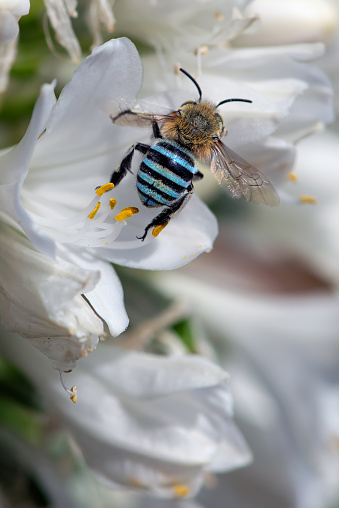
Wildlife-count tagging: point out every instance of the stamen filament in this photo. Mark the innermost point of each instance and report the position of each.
(72, 392)
(93, 227)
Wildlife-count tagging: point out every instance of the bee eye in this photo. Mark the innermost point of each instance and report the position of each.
(220, 121)
(188, 102)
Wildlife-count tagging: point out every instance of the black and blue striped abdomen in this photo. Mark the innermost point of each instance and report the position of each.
(165, 173)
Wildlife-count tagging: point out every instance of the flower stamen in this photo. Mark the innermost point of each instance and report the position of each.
(181, 490)
(158, 229)
(72, 392)
(292, 176)
(126, 212)
(94, 211)
(104, 188)
(311, 200)
(95, 226)
(112, 203)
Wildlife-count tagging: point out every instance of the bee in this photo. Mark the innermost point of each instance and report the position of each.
(169, 165)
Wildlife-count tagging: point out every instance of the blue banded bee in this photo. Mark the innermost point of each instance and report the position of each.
(168, 168)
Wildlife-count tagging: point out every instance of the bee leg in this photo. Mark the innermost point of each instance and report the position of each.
(156, 130)
(126, 162)
(197, 176)
(166, 215)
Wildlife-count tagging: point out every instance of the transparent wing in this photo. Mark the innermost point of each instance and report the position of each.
(240, 178)
(134, 115)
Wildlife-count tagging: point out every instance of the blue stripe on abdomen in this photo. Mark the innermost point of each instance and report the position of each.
(166, 173)
(155, 197)
(158, 185)
(177, 154)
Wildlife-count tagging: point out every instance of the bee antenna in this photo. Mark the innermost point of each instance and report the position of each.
(192, 79)
(232, 100)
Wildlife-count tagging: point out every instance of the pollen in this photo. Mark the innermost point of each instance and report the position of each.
(158, 229)
(126, 212)
(181, 490)
(74, 395)
(94, 211)
(203, 50)
(308, 199)
(218, 16)
(72, 392)
(104, 188)
(112, 203)
(292, 176)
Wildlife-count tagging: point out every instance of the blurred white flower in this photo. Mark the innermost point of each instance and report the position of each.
(10, 13)
(308, 234)
(294, 21)
(60, 13)
(145, 423)
(175, 26)
(47, 184)
(281, 352)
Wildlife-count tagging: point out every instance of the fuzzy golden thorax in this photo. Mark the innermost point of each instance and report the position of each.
(195, 127)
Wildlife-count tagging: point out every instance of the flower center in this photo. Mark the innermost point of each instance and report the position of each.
(95, 226)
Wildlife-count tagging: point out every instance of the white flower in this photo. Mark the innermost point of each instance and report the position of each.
(281, 352)
(99, 17)
(203, 38)
(10, 13)
(176, 25)
(145, 423)
(47, 184)
(59, 14)
(291, 22)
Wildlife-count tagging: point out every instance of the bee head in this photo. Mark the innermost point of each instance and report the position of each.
(218, 118)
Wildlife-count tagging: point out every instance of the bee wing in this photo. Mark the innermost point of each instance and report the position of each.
(241, 179)
(132, 118)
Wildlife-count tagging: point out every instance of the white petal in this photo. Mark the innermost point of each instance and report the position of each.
(153, 443)
(107, 296)
(112, 70)
(160, 375)
(40, 300)
(60, 21)
(84, 131)
(9, 27)
(14, 168)
(188, 235)
(7, 57)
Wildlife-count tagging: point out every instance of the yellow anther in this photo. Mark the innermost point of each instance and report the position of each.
(292, 176)
(94, 211)
(158, 229)
(112, 203)
(74, 396)
(126, 212)
(181, 490)
(135, 482)
(218, 16)
(203, 50)
(308, 199)
(104, 188)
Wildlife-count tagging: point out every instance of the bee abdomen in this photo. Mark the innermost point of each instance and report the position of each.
(164, 174)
